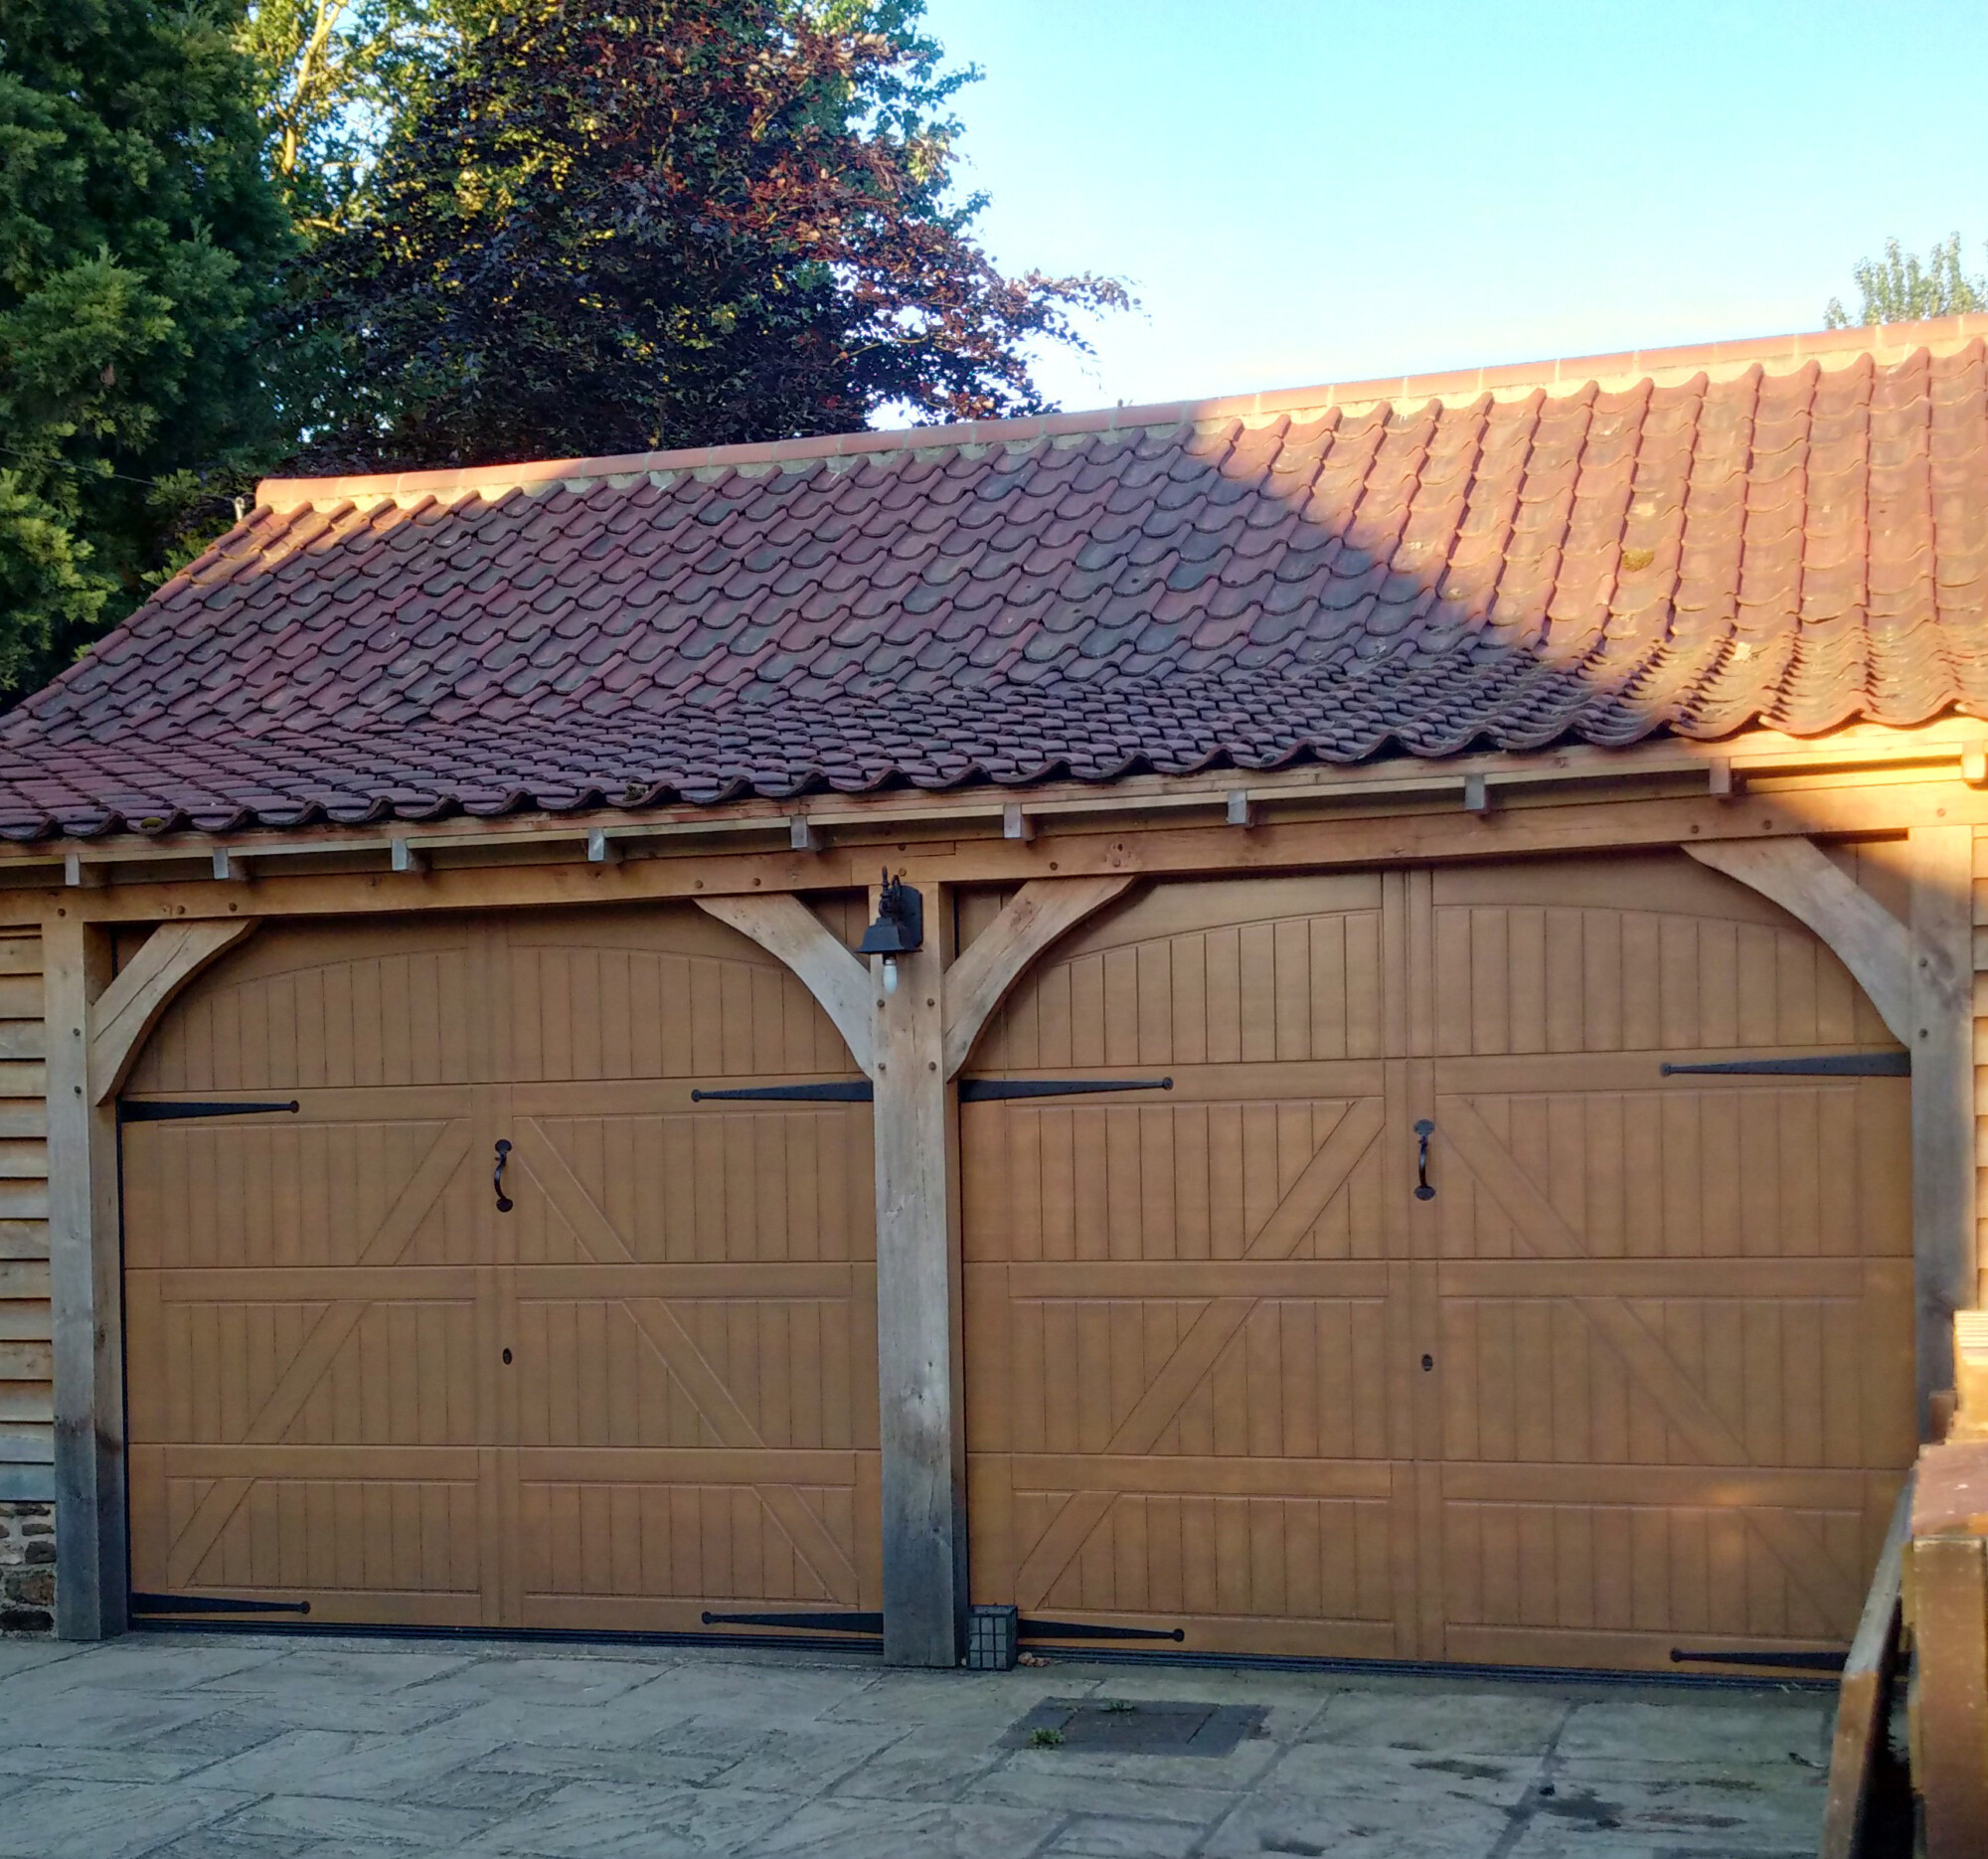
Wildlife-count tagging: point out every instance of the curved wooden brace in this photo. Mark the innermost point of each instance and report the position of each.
(786, 927)
(131, 1006)
(1034, 918)
(1864, 936)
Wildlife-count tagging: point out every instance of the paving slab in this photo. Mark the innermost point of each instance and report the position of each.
(1760, 1809)
(847, 1829)
(175, 1662)
(808, 1758)
(1106, 1838)
(576, 1682)
(1339, 1770)
(1465, 1720)
(260, 1746)
(1036, 1778)
(625, 1820)
(412, 1825)
(1720, 1730)
(375, 1670)
(912, 1771)
(26, 1655)
(1371, 1826)
(351, 1766)
(102, 1821)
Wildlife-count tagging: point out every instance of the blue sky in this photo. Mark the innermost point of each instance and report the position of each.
(1304, 191)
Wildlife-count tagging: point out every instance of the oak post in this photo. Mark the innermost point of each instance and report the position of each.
(1942, 1048)
(85, 1274)
(921, 1408)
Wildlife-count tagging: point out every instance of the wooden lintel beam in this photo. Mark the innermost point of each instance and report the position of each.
(1958, 751)
(1433, 836)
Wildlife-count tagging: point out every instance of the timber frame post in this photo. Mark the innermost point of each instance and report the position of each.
(95, 1026)
(1919, 976)
(912, 1043)
(86, 1296)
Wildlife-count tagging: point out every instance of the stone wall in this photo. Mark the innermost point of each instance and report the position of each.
(27, 1568)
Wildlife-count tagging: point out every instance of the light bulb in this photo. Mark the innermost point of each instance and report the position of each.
(890, 974)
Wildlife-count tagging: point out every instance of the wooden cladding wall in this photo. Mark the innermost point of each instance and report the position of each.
(26, 1406)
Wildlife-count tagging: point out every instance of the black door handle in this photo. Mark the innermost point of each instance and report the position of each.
(504, 1201)
(1425, 1130)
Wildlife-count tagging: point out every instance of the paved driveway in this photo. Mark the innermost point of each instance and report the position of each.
(224, 1747)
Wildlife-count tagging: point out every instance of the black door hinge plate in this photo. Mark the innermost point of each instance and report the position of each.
(1028, 1629)
(988, 1089)
(128, 1113)
(840, 1091)
(1791, 1661)
(1822, 1064)
(808, 1622)
(214, 1604)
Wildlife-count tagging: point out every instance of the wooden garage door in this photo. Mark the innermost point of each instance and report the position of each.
(645, 1391)
(1635, 1376)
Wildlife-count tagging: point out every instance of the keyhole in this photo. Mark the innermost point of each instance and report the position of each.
(1429, 1361)
(507, 1359)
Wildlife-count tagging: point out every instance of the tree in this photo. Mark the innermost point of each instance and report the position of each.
(139, 249)
(623, 224)
(1901, 289)
(334, 76)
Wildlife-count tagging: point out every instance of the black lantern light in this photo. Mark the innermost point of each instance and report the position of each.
(900, 928)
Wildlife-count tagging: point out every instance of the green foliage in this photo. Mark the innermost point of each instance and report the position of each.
(139, 246)
(46, 592)
(332, 77)
(619, 225)
(1903, 288)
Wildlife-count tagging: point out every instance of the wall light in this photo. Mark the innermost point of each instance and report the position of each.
(900, 928)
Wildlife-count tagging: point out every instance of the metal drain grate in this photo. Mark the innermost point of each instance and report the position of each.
(1141, 1726)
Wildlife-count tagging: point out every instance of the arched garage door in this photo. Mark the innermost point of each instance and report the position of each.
(645, 1391)
(1634, 1376)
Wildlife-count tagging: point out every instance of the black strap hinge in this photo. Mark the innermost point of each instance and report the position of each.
(839, 1090)
(988, 1089)
(1821, 1065)
(808, 1622)
(1028, 1629)
(157, 1113)
(1789, 1662)
(214, 1604)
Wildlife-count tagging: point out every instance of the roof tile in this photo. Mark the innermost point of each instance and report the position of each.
(1340, 580)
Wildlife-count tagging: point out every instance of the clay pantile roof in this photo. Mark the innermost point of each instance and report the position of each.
(1789, 533)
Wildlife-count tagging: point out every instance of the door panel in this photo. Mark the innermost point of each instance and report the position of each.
(302, 1301)
(1636, 1376)
(647, 1389)
(1178, 1310)
(696, 1360)
(1675, 1313)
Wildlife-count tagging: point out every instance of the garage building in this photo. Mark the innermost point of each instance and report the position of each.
(1422, 1105)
